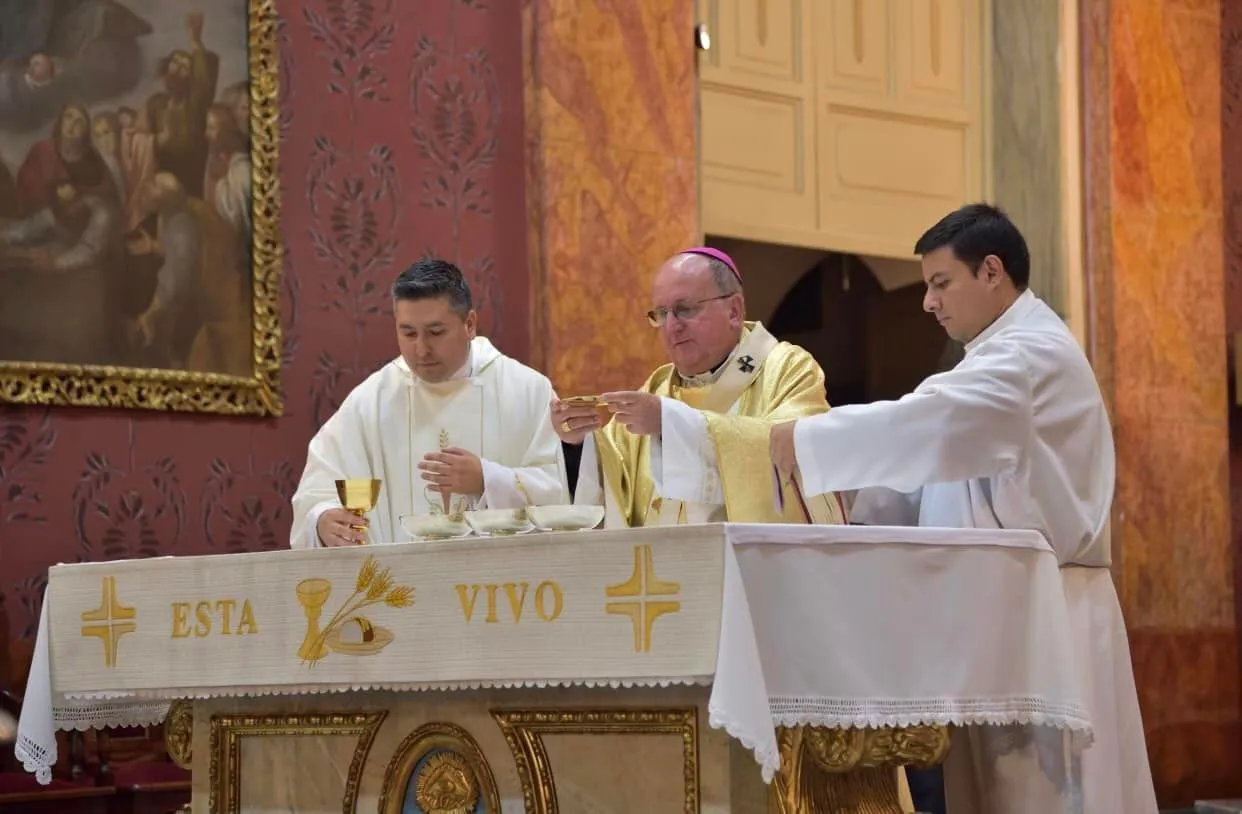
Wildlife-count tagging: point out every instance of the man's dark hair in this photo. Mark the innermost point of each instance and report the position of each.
(432, 278)
(975, 231)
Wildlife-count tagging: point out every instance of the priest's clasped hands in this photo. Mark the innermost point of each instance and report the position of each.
(638, 412)
(453, 471)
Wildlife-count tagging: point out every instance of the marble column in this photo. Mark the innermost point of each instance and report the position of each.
(612, 184)
(1152, 111)
(1026, 135)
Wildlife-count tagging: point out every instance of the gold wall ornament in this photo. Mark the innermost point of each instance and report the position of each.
(850, 771)
(181, 390)
(179, 732)
(452, 780)
(373, 586)
(227, 732)
(524, 731)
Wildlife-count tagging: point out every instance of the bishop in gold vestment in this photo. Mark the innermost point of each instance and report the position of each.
(691, 446)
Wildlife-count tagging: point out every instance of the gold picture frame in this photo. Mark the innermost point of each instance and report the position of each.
(259, 394)
(228, 731)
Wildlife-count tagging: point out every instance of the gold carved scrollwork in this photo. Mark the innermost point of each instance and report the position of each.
(227, 732)
(452, 779)
(524, 731)
(181, 390)
(179, 733)
(850, 771)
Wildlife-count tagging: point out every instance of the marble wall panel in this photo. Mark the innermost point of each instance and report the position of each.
(611, 172)
(1026, 135)
(1155, 231)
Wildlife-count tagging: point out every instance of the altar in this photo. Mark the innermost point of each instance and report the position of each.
(715, 668)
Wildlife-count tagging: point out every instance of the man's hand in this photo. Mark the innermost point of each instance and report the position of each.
(337, 527)
(639, 412)
(573, 424)
(142, 330)
(453, 471)
(781, 448)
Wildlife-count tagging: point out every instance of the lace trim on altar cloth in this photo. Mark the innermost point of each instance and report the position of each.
(123, 699)
(890, 712)
(765, 749)
(38, 758)
(101, 714)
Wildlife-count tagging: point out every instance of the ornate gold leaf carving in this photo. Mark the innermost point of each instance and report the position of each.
(179, 733)
(227, 732)
(524, 731)
(843, 750)
(257, 394)
(850, 769)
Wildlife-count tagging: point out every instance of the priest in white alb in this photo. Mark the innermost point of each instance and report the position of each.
(691, 444)
(1016, 436)
(451, 423)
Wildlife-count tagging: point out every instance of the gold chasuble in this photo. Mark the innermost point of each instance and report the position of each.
(761, 383)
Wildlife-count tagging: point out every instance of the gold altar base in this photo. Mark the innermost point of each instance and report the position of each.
(554, 751)
(851, 771)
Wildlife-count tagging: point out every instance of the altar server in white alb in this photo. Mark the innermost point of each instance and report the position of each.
(451, 421)
(1017, 437)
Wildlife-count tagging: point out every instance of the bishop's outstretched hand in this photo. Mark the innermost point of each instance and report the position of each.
(573, 422)
(781, 448)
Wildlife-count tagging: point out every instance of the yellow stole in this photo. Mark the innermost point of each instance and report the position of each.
(769, 382)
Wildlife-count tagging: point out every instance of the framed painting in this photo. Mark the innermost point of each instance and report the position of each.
(139, 205)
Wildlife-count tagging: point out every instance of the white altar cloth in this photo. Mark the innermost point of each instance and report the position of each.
(840, 626)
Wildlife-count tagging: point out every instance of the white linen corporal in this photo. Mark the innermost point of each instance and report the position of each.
(1016, 436)
(495, 407)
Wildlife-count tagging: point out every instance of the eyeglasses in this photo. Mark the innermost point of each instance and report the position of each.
(682, 311)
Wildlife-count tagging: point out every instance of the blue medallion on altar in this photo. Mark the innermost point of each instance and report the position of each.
(443, 782)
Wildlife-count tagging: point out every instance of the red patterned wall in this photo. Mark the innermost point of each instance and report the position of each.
(402, 135)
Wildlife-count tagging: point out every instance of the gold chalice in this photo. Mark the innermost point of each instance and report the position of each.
(359, 496)
(312, 594)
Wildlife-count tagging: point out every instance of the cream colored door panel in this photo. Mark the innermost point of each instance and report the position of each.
(884, 177)
(852, 47)
(757, 103)
(840, 124)
(938, 50)
(755, 42)
(757, 165)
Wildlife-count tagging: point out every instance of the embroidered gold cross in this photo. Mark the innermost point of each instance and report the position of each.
(110, 621)
(642, 610)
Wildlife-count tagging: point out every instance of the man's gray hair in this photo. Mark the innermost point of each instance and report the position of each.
(726, 281)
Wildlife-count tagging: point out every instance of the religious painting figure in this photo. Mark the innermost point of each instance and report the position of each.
(125, 179)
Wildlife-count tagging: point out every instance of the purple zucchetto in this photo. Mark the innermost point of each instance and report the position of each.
(716, 254)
